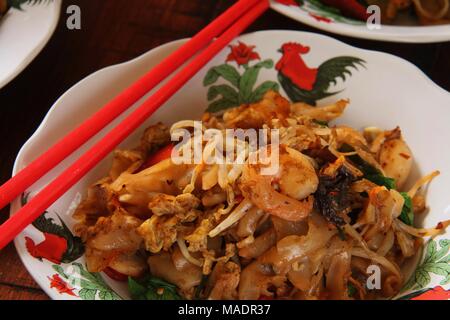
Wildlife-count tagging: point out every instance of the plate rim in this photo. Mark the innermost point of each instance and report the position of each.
(36, 50)
(351, 31)
(176, 43)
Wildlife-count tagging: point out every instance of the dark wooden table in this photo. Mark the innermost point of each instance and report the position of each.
(113, 32)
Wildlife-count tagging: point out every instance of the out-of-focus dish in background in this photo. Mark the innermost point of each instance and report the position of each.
(413, 21)
(24, 31)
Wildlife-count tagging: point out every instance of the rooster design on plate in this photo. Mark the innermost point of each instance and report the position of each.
(63, 249)
(301, 82)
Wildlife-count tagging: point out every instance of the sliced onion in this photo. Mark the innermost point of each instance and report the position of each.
(420, 232)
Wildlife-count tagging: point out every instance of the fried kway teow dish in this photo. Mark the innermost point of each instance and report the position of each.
(426, 12)
(335, 206)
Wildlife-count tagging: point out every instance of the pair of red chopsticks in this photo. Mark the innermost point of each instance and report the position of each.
(213, 38)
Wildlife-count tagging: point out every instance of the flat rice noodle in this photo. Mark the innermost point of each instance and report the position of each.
(97, 260)
(125, 161)
(255, 281)
(132, 265)
(284, 228)
(338, 274)
(182, 274)
(293, 248)
(260, 245)
(301, 278)
(248, 224)
(115, 233)
(277, 261)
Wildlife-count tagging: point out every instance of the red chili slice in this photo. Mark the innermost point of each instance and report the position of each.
(159, 156)
(115, 275)
(349, 8)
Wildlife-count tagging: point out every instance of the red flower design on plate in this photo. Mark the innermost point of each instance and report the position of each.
(289, 2)
(52, 248)
(60, 285)
(437, 293)
(320, 18)
(242, 54)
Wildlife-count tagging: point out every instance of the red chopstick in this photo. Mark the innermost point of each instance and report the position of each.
(45, 198)
(71, 142)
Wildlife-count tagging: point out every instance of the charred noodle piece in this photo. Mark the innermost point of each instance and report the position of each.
(332, 196)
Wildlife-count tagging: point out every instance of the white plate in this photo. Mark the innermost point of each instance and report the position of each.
(23, 34)
(387, 92)
(323, 20)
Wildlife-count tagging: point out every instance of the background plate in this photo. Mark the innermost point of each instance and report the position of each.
(23, 34)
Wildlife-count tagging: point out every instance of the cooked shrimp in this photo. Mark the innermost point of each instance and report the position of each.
(396, 160)
(296, 179)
